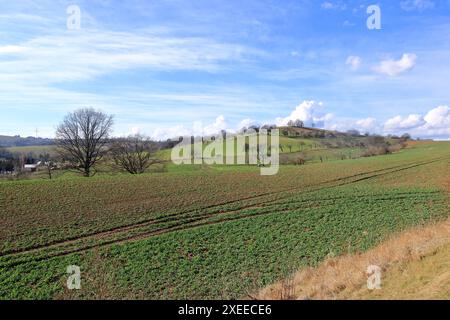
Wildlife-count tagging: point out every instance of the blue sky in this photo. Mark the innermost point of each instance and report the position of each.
(166, 68)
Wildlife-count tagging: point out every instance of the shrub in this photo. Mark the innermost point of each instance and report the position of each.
(376, 151)
(300, 161)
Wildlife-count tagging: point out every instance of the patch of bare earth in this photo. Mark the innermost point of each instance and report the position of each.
(414, 265)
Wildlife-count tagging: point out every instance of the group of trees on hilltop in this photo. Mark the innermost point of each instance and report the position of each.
(296, 123)
(84, 139)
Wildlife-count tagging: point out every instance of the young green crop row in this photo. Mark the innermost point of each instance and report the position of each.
(229, 259)
(130, 224)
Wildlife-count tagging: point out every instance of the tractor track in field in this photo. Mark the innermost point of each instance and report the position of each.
(173, 216)
(187, 222)
(176, 215)
(202, 219)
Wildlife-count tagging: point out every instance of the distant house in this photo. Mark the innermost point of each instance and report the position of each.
(32, 167)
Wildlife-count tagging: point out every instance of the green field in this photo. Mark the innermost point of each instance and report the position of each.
(33, 150)
(201, 232)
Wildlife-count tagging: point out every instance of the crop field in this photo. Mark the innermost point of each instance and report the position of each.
(209, 232)
(33, 150)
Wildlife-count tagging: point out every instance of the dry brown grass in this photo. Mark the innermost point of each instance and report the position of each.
(415, 265)
(413, 143)
(427, 278)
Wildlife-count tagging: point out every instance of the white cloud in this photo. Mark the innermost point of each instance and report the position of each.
(393, 68)
(328, 5)
(344, 124)
(170, 132)
(87, 54)
(367, 124)
(216, 126)
(34, 66)
(435, 124)
(421, 5)
(198, 129)
(354, 62)
(438, 117)
(404, 123)
(246, 123)
(309, 112)
(11, 49)
(135, 130)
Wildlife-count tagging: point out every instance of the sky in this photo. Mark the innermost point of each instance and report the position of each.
(166, 68)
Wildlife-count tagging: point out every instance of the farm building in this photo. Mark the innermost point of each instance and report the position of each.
(32, 167)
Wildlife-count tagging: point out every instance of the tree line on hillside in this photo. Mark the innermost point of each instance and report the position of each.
(83, 139)
(18, 141)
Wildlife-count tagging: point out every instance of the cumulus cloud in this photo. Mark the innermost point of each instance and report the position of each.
(394, 68)
(438, 117)
(434, 124)
(216, 126)
(342, 124)
(404, 123)
(420, 5)
(309, 112)
(367, 124)
(246, 123)
(354, 62)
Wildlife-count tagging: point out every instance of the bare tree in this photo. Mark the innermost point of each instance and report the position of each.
(134, 154)
(82, 137)
(296, 123)
(49, 163)
(299, 123)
